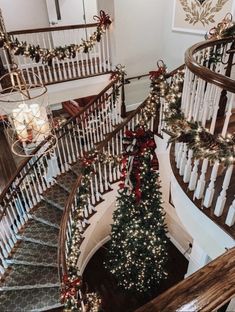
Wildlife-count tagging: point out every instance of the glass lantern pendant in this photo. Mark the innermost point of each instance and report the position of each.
(25, 112)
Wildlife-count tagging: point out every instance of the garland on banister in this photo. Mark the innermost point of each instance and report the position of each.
(37, 53)
(74, 295)
(223, 29)
(203, 143)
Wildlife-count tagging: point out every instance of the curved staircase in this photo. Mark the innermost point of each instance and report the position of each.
(32, 208)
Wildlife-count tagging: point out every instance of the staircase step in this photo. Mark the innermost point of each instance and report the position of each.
(67, 180)
(38, 232)
(29, 275)
(30, 300)
(27, 251)
(24, 262)
(56, 196)
(46, 213)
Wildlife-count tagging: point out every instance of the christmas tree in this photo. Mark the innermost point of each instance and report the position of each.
(137, 253)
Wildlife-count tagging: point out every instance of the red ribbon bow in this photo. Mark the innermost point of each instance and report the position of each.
(69, 288)
(103, 20)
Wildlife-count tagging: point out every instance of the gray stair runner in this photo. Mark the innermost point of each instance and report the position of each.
(31, 281)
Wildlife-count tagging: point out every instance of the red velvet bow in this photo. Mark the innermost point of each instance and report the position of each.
(69, 288)
(103, 19)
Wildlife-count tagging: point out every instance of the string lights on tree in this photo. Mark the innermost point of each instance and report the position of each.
(137, 253)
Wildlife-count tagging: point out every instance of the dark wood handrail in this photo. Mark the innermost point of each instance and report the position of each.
(49, 29)
(206, 74)
(207, 289)
(167, 75)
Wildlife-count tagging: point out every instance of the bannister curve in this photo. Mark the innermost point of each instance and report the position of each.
(207, 289)
(206, 74)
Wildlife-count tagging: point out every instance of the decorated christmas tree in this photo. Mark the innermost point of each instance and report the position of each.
(137, 252)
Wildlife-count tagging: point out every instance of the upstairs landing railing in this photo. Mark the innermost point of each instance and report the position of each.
(83, 63)
(76, 137)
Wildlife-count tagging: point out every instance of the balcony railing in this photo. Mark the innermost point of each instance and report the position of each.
(208, 98)
(94, 62)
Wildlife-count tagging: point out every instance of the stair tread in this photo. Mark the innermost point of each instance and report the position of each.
(57, 195)
(67, 180)
(28, 251)
(28, 299)
(22, 275)
(47, 212)
(41, 232)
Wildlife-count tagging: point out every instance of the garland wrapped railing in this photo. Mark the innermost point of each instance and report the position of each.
(37, 53)
(99, 169)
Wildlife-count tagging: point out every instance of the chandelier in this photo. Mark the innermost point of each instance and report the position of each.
(25, 113)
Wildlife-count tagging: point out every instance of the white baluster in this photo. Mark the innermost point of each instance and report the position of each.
(228, 115)
(202, 180)
(188, 167)
(100, 179)
(183, 160)
(219, 207)
(179, 156)
(230, 219)
(194, 176)
(211, 188)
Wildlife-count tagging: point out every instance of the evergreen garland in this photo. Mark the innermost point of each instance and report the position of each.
(36, 53)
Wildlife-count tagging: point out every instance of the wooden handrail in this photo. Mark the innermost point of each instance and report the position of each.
(167, 75)
(207, 289)
(49, 29)
(63, 227)
(206, 74)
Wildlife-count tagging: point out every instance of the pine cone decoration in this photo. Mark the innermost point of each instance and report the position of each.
(207, 139)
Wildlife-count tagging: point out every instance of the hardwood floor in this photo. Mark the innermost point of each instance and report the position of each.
(7, 164)
(114, 299)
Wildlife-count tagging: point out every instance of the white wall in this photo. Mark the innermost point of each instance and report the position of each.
(138, 26)
(174, 43)
(24, 14)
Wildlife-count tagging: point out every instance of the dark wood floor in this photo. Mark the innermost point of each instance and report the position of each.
(116, 300)
(7, 164)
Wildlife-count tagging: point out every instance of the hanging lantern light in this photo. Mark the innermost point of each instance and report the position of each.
(26, 114)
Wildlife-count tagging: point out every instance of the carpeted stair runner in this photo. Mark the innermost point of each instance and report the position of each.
(31, 281)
